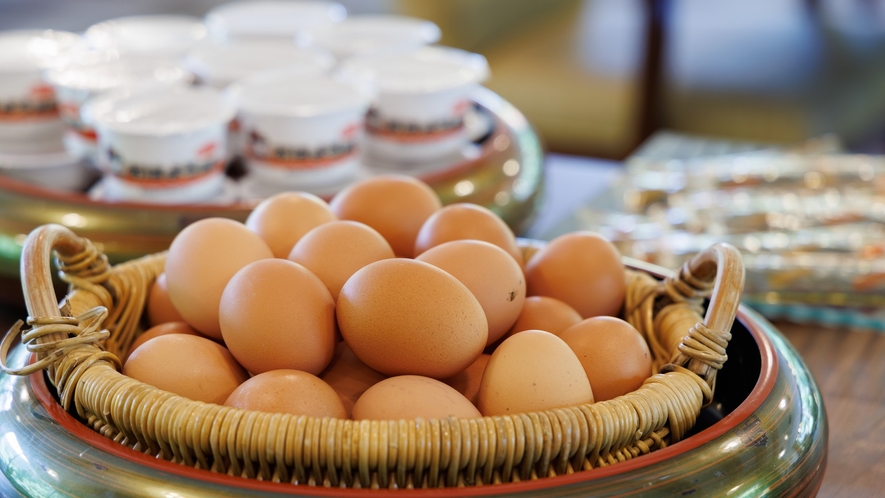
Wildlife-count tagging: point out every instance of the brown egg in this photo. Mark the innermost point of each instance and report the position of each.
(336, 250)
(494, 278)
(467, 382)
(287, 391)
(613, 353)
(202, 258)
(348, 376)
(394, 205)
(277, 315)
(582, 270)
(532, 371)
(545, 313)
(187, 365)
(411, 396)
(159, 306)
(401, 316)
(466, 221)
(162, 329)
(283, 219)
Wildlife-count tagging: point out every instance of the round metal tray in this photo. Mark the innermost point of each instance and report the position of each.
(764, 434)
(505, 175)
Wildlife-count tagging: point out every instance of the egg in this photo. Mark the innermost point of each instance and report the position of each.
(466, 221)
(281, 220)
(162, 329)
(336, 250)
(544, 313)
(492, 275)
(582, 270)
(187, 365)
(614, 355)
(532, 371)
(411, 396)
(394, 205)
(287, 391)
(277, 315)
(401, 316)
(201, 260)
(349, 376)
(159, 306)
(467, 382)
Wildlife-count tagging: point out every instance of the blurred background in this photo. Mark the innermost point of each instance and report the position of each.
(597, 77)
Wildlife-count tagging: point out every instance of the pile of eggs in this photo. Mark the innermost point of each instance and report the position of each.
(385, 305)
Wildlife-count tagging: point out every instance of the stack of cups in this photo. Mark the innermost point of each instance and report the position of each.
(75, 84)
(31, 147)
(29, 121)
(301, 131)
(162, 146)
(271, 20)
(423, 98)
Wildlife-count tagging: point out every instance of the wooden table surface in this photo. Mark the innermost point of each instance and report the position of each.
(849, 367)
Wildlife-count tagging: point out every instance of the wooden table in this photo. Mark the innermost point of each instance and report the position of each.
(849, 367)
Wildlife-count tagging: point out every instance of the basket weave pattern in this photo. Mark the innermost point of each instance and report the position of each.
(79, 344)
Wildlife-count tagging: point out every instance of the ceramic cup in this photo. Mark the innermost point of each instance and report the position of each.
(162, 145)
(161, 35)
(274, 19)
(301, 131)
(29, 121)
(375, 34)
(422, 101)
(95, 75)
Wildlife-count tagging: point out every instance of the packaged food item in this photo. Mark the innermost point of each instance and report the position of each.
(162, 146)
(29, 118)
(299, 130)
(422, 102)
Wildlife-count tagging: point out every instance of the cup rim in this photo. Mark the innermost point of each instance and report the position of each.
(105, 113)
(373, 33)
(235, 60)
(67, 43)
(422, 71)
(110, 34)
(119, 72)
(253, 97)
(243, 19)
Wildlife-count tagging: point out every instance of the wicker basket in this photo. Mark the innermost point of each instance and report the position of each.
(79, 343)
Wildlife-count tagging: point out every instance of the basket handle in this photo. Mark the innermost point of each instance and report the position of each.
(703, 350)
(53, 335)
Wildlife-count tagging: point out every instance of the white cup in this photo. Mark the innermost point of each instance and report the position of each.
(273, 19)
(162, 145)
(162, 35)
(375, 34)
(29, 121)
(220, 64)
(301, 131)
(422, 102)
(98, 74)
